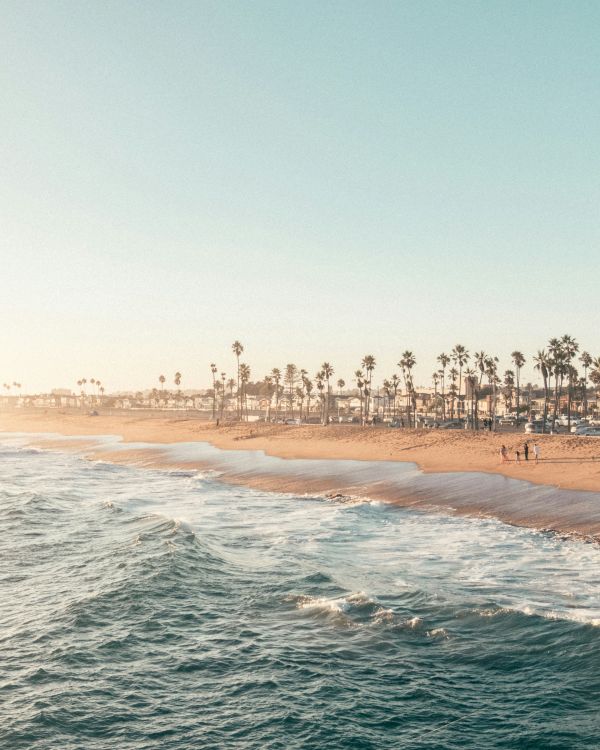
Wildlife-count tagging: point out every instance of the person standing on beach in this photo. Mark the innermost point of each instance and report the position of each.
(526, 450)
(517, 457)
(536, 452)
(504, 454)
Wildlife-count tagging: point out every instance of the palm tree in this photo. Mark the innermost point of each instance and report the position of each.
(368, 363)
(268, 385)
(387, 393)
(320, 378)
(161, 380)
(244, 377)
(276, 375)
(407, 362)
(480, 359)
(360, 382)
(213, 370)
(444, 361)
(436, 377)
(558, 364)
(518, 361)
(395, 384)
(509, 385)
(471, 382)
(308, 387)
(237, 349)
(290, 378)
(223, 378)
(491, 371)
(460, 356)
(595, 373)
(453, 390)
(340, 384)
(327, 371)
(586, 361)
(570, 348)
(542, 363)
(230, 385)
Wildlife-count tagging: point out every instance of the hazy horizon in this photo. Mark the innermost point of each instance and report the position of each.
(318, 181)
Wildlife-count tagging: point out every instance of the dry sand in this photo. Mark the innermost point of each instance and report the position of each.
(568, 461)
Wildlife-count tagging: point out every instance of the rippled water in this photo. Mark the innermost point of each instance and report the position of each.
(146, 609)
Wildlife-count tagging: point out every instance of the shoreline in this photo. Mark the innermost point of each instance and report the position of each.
(567, 461)
(336, 465)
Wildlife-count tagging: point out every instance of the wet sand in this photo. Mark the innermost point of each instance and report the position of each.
(462, 473)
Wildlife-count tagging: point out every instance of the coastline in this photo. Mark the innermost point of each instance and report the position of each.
(346, 463)
(567, 461)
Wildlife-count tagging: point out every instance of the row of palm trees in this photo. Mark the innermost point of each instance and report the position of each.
(95, 383)
(459, 382)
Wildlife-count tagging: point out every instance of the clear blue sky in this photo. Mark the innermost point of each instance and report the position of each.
(318, 180)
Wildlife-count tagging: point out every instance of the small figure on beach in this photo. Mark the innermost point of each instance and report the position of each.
(536, 452)
(526, 450)
(517, 457)
(504, 454)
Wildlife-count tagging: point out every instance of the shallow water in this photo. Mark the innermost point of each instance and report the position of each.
(146, 608)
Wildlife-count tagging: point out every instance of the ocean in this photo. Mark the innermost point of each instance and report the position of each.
(146, 608)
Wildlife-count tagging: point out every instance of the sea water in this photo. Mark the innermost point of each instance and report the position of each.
(143, 608)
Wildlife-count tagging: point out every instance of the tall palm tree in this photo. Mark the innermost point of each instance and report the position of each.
(471, 382)
(436, 377)
(491, 371)
(387, 393)
(290, 377)
(268, 383)
(407, 362)
(570, 348)
(320, 381)
(213, 371)
(586, 361)
(395, 385)
(460, 357)
(368, 362)
(480, 358)
(308, 387)
(360, 383)
(453, 390)
(276, 375)
(558, 364)
(444, 361)
(237, 349)
(244, 378)
(327, 371)
(223, 378)
(543, 364)
(509, 386)
(518, 361)
(340, 384)
(595, 374)
(161, 380)
(230, 385)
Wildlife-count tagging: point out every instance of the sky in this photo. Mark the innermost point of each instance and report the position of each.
(318, 180)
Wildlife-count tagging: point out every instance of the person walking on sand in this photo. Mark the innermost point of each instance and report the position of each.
(526, 450)
(536, 452)
(517, 457)
(504, 454)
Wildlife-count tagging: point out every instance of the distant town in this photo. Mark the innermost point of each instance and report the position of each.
(468, 391)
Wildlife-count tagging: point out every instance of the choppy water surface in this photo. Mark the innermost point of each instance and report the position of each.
(145, 609)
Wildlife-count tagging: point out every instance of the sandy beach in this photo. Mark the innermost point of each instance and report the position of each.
(567, 461)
